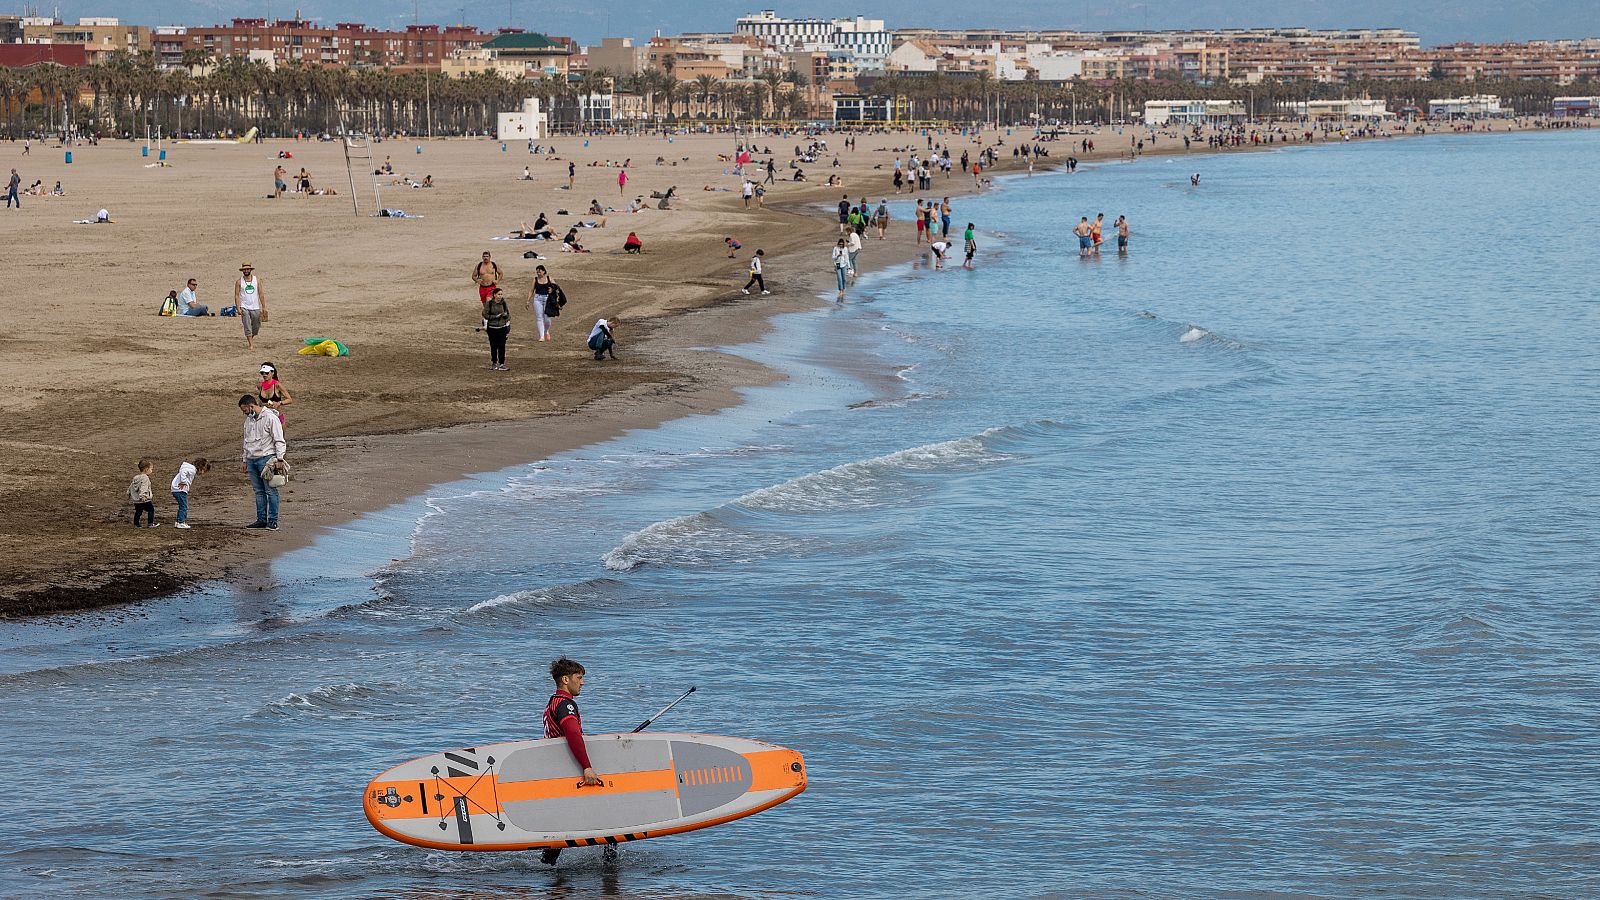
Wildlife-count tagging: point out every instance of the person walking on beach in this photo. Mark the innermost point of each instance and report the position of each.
(497, 325)
(182, 483)
(755, 274)
(881, 218)
(142, 496)
(251, 302)
(486, 274)
(539, 297)
(622, 183)
(1095, 231)
(971, 238)
(263, 446)
(844, 213)
(1082, 231)
(749, 192)
(562, 720)
(278, 183)
(1122, 234)
(11, 190)
(852, 242)
(572, 174)
(841, 265)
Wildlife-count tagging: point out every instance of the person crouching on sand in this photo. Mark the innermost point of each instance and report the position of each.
(602, 339)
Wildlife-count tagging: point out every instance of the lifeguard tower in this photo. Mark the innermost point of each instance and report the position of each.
(528, 124)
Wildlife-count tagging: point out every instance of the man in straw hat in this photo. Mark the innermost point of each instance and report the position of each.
(251, 302)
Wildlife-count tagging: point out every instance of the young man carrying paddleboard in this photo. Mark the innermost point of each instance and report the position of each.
(561, 719)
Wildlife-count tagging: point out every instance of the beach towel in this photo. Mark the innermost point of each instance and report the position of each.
(316, 346)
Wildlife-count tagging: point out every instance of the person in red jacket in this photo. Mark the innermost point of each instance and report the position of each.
(561, 720)
(561, 717)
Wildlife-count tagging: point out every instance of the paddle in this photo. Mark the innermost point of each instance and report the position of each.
(646, 723)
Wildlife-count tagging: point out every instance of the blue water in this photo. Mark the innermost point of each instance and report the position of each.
(1055, 601)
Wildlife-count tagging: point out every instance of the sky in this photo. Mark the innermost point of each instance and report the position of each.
(1437, 21)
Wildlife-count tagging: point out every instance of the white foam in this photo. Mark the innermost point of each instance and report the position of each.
(1194, 333)
(864, 484)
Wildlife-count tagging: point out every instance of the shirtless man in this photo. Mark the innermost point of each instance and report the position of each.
(1095, 232)
(278, 183)
(486, 275)
(1122, 234)
(1082, 231)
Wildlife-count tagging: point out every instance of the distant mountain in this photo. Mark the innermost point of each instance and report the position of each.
(1438, 21)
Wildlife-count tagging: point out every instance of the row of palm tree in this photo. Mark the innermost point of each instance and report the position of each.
(980, 97)
(131, 94)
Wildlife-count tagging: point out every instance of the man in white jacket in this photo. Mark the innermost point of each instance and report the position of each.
(263, 443)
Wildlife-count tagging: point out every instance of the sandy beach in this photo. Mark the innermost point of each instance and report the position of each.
(94, 379)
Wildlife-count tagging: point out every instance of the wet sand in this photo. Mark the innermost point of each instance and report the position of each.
(94, 379)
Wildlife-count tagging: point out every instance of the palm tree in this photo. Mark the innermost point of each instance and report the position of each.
(704, 83)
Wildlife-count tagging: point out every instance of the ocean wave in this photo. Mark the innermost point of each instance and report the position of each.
(519, 602)
(143, 664)
(330, 702)
(1190, 333)
(723, 534)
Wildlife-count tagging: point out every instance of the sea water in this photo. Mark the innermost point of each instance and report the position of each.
(1260, 559)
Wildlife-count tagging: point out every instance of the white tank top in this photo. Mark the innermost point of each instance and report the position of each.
(249, 294)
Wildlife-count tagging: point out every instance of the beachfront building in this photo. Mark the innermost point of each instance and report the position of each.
(529, 123)
(865, 41)
(1478, 106)
(1575, 107)
(540, 54)
(855, 109)
(1191, 62)
(300, 40)
(10, 29)
(1193, 112)
(1339, 110)
(619, 56)
(99, 37)
(1038, 62)
(469, 61)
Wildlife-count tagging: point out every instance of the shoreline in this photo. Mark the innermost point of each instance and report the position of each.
(379, 467)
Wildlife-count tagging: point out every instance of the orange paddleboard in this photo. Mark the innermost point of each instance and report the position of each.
(528, 795)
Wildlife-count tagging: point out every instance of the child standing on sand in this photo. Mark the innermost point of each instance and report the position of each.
(141, 495)
(181, 485)
(755, 274)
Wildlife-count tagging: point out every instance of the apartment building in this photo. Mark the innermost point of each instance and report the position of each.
(303, 41)
(100, 37)
(865, 41)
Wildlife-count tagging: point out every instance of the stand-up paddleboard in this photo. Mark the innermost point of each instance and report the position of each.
(527, 795)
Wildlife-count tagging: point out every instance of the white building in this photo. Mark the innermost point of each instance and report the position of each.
(1340, 109)
(530, 123)
(913, 56)
(1037, 60)
(1193, 112)
(866, 40)
(1478, 106)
